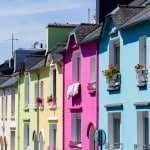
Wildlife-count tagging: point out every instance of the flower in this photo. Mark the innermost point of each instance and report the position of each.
(111, 71)
(49, 98)
(140, 66)
(39, 99)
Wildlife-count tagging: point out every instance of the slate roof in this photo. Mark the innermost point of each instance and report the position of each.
(21, 54)
(143, 15)
(9, 82)
(56, 52)
(137, 2)
(34, 62)
(92, 36)
(123, 13)
(3, 79)
(82, 30)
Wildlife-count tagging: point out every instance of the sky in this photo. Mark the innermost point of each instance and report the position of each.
(27, 20)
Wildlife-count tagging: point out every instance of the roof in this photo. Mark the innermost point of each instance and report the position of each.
(34, 62)
(123, 13)
(3, 79)
(84, 29)
(56, 52)
(67, 25)
(9, 82)
(143, 15)
(92, 36)
(21, 54)
(137, 2)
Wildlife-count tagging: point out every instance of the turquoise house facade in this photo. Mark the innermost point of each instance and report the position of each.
(124, 95)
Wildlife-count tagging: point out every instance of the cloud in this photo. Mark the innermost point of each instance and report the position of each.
(28, 8)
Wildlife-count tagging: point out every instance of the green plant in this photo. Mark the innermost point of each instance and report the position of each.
(112, 70)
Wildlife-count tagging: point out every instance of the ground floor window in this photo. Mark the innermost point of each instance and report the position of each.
(143, 130)
(26, 136)
(12, 139)
(114, 130)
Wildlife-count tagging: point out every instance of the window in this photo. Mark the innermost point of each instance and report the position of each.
(76, 67)
(142, 50)
(12, 140)
(53, 82)
(41, 141)
(35, 93)
(26, 136)
(42, 91)
(142, 129)
(4, 106)
(76, 127)
(92, 69)
(114, 53)
(26, 92)
(52, 136)
(13, 103)
(114, 130)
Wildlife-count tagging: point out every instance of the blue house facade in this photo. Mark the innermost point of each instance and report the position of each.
(124, 87)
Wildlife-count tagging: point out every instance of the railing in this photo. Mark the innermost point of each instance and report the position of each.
(51, 148)
(114, 146)
(74, 144)
(141, 147)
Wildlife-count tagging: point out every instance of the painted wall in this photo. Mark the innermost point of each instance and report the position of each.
(83, 103)
(129, 92)
(29, 115)
(9, 122)
(57, 34)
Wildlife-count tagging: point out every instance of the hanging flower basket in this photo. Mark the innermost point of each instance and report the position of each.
(49, 98)
(140, 68)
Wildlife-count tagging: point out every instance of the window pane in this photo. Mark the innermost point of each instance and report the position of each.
(116, 130)
(92, 69)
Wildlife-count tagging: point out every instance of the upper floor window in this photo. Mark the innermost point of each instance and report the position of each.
(76, 67)
(53, 82)
(4, 107)
(36, 90)
(142, 50)
(13, 103)
(114, 53)
(92, 69)
(42, 91)
(26, 92)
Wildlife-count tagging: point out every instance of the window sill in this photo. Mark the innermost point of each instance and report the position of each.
(75, 145)
(12, 117)
(26, 108)
(35, 108)
(52, 107)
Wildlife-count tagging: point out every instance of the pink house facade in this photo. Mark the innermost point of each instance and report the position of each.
(80, 88)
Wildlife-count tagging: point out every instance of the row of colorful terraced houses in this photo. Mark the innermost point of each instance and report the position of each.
(90, 77)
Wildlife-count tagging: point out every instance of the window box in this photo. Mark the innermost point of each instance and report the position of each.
(51, 148)
(51, 101)
(74, 144)
(91, 87)
(141, 75)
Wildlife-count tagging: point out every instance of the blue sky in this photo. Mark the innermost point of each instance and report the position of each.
(27, 20)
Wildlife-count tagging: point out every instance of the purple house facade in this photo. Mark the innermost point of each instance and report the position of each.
(80, 88)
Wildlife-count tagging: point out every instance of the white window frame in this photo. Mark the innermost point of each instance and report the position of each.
(92, 69)
(111, 129)
(114, 52)
(142, 50)
(13, 139)
(4, 107)
(141, 115)
(53, 82)
(26, 135)
(36, 93)
(26, 91)
(75, 127)
(13, 101)
(52, 135)
(76, 67)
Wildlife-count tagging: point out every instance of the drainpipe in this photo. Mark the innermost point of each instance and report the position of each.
(97, 85)
(63, 105)
(38, 76)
